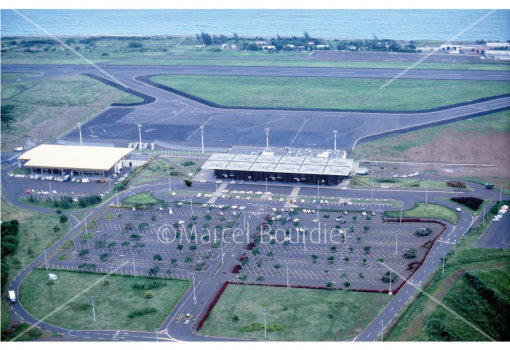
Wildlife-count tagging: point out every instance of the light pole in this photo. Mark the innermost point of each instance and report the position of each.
(194, 295)
(318, 191)
(134, 274)
(202, 131)
(265, 325)
(51, 193)
(396, 242)
(140, 134)
(483, 216)
(109, 184)
(287, 275)
(372, 192)
(500, 193)
(93, 309)
(382, 329)
(169, 181)
(117, 195)
(427, 193)
(391, 273)
(46, 260)
(443, 262)
(373, 208)
(267, 138)
(79, 128)
(266, 184)
(191, 196)
(334, 132)
(221, 244)
(157, 334)
(85, 218)
(401, 205)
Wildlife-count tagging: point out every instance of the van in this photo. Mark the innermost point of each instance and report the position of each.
(170, 212)
(11, 297)
(85, 180)
(67, 178)
(18, 149)
(52, 277)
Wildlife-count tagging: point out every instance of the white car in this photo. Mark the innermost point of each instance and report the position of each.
(224, 191)
(249, 192)
(218, 182)
(242, 192)
(395, 176)
(364, 214)
(54, 191)
(326, 202)
(242, 208)
(274, 209)
(321, 201)
(495, 219)
(302, 200)
(234, 207)
(46, 192)
(199, 195)
(222, 196)
(204, 205)
(458, 209)
(258, 192)
(315, 220)
(296, 220)
(173, 193)
(234, 191)
(232, 182)
(403, 176)
(344, 188)
(349, 203)
(281, 199)
(181, 222)
(248, 198)
(237, 197)
(180, 203)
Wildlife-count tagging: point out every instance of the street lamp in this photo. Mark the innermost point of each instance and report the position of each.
(202, 130)
(46, 260)
(117, 195)
(266, 184)
(267, 138)
(382, 329)
(372, 192)
(157, 334)
(93, 309)
(427, 193)
(265, 325)
(391, 274)
(334, 132)
(396, 242)
(85, 218)
(194, 295)
(79, 128)
(133, 264)
(287, 275)
(373, 209)
(443, 262)
(169, 181)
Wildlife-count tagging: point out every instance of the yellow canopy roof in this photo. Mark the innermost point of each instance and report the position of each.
(74, 157)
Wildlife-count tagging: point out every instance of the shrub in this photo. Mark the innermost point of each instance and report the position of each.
(50, 282)
(106, 282)
(142, 312)
(237, 268)
(411, 253)
(423, 231)
(148, 294)
(471, 202)
(386, 277)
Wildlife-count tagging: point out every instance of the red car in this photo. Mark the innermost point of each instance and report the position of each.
(27, 191)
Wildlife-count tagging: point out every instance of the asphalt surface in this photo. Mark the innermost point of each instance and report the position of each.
(175, 119)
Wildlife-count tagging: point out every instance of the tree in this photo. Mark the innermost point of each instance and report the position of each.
(346, 258)
(367, 249)
(206, 38)
(6, 113)
(411, 253)
(153, 271)
(386, 277)
(277, 266)
(331, 259)
(347, 284)
(333, 248)
(351, 249)
(103, 257)
(179, 247)
(255, 251)
(329, 285)
(286, 243)
(259, 263)
(173, 261)
(306, 36)
(112, 244)
(188, 183)
(270, 254)
(243, 277)
(56, 229)
(358, 239)
(380, 260)
(63, 219)
(326, 271)
(364, 261)
(157, 257)
(188, 260)
(355, 218)
(272, 241)
(83, 252)
(193, 247)
(236, 38)
(314, 257)
(246, 261)
(366, 228)
(100, 244)
(260, 278)
(169, 273)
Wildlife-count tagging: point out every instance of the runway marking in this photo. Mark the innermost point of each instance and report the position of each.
(251, 127)
(446, 74)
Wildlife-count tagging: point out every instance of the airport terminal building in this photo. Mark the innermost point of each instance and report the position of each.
(75, 160)
(262, 166)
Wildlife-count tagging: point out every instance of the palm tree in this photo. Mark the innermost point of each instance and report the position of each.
(179, 247)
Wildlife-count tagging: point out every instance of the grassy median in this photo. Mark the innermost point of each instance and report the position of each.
(427, 211)
(346, 93)
(303, 314)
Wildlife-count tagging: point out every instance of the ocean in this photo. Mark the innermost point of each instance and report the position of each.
(385, 24)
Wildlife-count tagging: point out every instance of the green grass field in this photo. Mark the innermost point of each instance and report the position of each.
(35, 232)
(429, 211)
(366, 181)
(10, 76)
(59, 102)
(297, 92)
(395, 147)
(304, 314)
(422, 319)
(113, 302)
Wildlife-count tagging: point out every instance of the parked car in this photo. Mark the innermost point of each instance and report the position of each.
(458, 209)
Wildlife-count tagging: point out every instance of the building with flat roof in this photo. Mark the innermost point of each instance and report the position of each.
(280, 168)
(84, 160)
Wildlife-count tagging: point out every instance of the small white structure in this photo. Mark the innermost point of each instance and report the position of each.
(52, 277)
